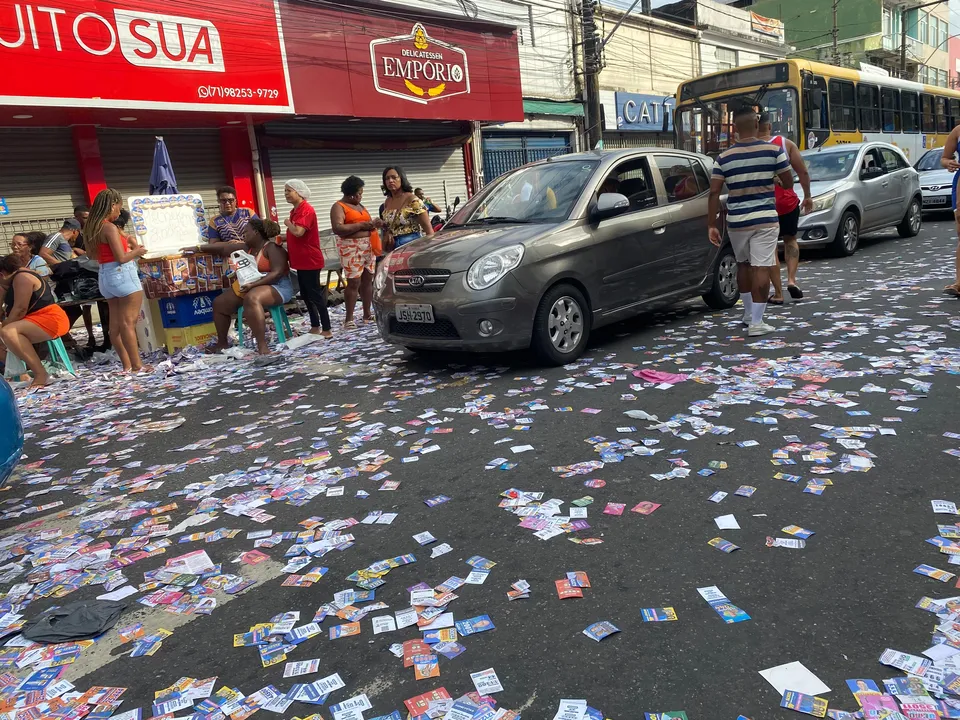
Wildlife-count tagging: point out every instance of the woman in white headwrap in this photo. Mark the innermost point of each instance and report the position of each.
(303, 247)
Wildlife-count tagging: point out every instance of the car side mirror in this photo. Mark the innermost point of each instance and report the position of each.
(874, 171)
(610, 205)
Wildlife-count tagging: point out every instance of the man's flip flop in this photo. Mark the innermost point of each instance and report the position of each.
(952, 291)
(775, 302)
(795, 292)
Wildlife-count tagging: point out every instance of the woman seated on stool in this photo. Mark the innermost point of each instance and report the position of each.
(274, 288)
(32, 314)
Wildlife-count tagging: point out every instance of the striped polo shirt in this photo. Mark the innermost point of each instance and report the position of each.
(748, 169)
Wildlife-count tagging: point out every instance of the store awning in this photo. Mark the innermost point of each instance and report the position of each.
(551, 107)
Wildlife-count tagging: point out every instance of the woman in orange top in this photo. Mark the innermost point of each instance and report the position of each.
(358, 244)
(32, 315)
(274, 288)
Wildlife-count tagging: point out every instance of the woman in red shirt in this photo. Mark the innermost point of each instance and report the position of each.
(119, 278)
(303, 247)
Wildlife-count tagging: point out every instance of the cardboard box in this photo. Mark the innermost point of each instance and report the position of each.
(175, 275)
(150, 334)
(194, 335)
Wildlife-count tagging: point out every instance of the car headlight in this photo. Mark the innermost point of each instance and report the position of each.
(380, 279)
(489, 269)
(824, 202)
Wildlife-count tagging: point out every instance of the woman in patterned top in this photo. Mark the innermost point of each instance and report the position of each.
(405, 217)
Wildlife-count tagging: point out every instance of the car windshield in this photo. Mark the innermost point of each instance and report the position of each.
(930, 160)
(543, 193)
(824, 166)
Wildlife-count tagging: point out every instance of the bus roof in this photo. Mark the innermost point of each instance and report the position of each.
(816, 68)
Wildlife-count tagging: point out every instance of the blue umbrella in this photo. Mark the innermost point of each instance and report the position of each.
(162, 179)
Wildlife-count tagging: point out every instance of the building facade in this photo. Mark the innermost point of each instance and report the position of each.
(318, 93)
(651, 54)
(869, 32)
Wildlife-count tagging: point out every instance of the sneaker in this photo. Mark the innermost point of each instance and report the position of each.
(760, 329)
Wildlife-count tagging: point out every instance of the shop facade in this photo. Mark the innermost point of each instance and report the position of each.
(317, 92)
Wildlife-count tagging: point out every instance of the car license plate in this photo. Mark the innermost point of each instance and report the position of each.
(935, 200)
(415, 313)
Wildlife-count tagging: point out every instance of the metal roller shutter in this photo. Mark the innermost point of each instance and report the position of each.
(195, 154)
(39, 179)
(613, 140)
(432, 169)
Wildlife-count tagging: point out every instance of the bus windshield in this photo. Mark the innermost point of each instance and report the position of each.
(707, 127)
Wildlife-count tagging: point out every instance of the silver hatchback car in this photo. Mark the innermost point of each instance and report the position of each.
(858, 188)
(548, 252)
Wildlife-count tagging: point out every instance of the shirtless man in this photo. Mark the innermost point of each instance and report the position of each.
(788, 209)
(949, 161)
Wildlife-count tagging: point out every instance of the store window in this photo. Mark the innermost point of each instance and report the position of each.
(726, 59)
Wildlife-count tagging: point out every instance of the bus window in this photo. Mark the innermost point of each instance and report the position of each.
(868, 104)
(954, 113)
(927, 121)
(943, 122)
(843, 106)
(890, 104)
(911, 111)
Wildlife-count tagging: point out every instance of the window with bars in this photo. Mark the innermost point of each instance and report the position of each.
(726, 59)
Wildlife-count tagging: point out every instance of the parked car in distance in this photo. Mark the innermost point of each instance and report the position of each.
(936, 182)
(858, 188)
(11, 434)
(552, 250)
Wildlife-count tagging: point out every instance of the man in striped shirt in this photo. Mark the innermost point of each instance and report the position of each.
(750, 169)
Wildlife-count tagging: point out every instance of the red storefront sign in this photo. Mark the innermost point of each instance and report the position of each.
(144, 54)
(419, 68)
(362, 64)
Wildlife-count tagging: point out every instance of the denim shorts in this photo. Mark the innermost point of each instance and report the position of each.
(284, 286)
(119, 280)
(401, 240)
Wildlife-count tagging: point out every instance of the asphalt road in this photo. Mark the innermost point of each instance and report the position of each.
(877, 318)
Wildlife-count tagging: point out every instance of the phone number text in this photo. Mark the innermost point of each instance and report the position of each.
(219, 91)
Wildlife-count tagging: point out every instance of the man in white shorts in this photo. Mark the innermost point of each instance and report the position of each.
(748, 169)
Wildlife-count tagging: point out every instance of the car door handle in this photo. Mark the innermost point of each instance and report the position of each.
(660, 230)
(658, 224)
(884, 184)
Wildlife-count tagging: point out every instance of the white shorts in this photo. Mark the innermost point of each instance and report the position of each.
(757, 247)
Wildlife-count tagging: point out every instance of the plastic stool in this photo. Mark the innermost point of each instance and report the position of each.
(58, 355)
(280, 321)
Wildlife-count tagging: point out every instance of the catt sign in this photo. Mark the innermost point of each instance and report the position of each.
(138, 54)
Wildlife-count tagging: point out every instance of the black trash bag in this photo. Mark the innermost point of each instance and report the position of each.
(76, 621)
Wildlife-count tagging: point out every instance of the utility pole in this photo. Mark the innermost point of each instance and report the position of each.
(591, 72)
(903, 41)
(836, 34)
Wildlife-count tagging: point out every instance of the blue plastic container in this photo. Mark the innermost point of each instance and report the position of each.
(187, 310)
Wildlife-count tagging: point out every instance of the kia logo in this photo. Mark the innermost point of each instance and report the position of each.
(417, 281)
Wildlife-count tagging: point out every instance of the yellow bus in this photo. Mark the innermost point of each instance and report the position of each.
(815, 104)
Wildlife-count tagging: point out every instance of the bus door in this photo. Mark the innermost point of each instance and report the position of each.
(816, 113)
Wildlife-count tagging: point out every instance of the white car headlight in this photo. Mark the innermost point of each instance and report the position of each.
(824, 202)
(489, 269)
(380, 278)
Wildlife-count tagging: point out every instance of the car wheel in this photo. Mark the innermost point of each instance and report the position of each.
(561, 327)
(724, 292)
(848, 235)
(910, 225)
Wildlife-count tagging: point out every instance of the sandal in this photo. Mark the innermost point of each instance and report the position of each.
(350, 325)
(952, 290)
(771, 301)
(795, 292)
